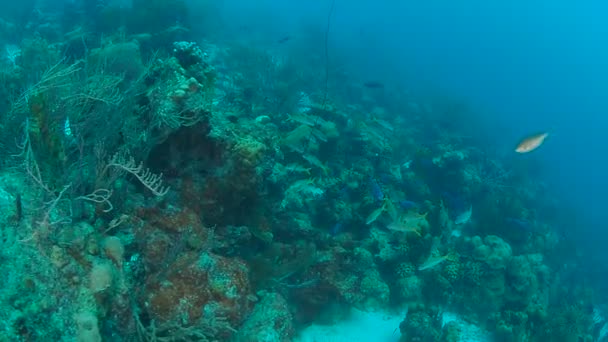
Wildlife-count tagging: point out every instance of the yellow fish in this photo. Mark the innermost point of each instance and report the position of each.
(531, 143)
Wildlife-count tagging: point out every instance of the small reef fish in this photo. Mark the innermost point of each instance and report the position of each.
(404, 226)
(431, 262)
(284, 39)
(371, 218)
(336, 229)
(377, 193)
(314, 161)
(373, 85)
(67, 129)
(519, 223)
(396, 172)
(464, 217)
(407, 205)
(297, 168)
(454, 201)
(390, 209)
(384, 124)
(308, 120)
(409, 223)
(531, 143)
(388, 206)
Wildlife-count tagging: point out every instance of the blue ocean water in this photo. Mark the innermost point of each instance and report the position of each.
(534, 65)
(525, 66)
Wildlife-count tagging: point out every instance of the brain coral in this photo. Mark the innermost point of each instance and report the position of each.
(494, 251)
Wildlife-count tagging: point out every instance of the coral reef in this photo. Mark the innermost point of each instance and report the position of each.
(270, 320)
(160, 187)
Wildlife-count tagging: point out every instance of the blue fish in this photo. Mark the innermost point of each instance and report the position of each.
(519, 223)
(454, 202)
(336, 229)
(407, 205)
(386, 177)
(344, 192)
(377, 193)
